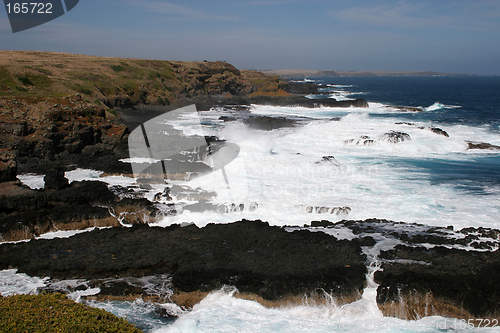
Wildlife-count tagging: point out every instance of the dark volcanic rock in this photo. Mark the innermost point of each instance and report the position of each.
(269, 123)
(32, 212)
(463, 277)
(291, 101)
(55, 180)
(8, 166)
(395, 137)
(439, 131)
(482, 145)
(362, 140)
(119, 288)
(300, 87)
(250, 255)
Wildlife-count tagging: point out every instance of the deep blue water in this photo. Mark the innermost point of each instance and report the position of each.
(477, 176)
(478, 96)
(479, 101)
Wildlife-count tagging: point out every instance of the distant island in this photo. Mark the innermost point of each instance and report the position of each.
(320, 73)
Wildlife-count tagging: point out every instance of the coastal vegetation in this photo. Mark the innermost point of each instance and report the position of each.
(56, 313)
(125, 82)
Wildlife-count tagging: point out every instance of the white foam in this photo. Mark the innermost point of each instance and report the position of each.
(13, 283)
(77, 295)
(221, 312)
(32, 180)
(66, 233)
(283, 172)
(139, 160)
(439, 106)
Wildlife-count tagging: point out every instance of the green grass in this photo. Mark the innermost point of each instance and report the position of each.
(121, 67)
(56, 313)
(7, 82)
(36, 80)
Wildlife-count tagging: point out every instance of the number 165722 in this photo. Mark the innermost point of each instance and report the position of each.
(29, 8)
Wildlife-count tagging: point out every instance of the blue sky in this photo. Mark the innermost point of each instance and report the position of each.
(439, 35)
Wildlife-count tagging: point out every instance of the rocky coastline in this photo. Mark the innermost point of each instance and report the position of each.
(50, 124)
(434, 271)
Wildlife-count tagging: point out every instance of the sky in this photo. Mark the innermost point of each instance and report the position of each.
(461, 36)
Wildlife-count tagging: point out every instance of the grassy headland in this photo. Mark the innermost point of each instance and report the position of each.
(122, 82)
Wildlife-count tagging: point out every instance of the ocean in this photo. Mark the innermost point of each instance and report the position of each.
(404, 158)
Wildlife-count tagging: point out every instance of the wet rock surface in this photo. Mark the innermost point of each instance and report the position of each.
(269, 123)
(482, 145)
(205, 104)
(394, 137)
(456, 267)
(419, 263)
(465, 278)
(250, 255)
(26, 213)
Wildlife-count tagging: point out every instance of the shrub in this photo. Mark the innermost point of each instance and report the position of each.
(56, 313)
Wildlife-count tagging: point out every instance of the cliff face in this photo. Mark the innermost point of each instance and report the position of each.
(123, 82)
(37, 132)
(56, 107)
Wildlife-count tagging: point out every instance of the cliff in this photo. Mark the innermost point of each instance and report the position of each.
(57, 107)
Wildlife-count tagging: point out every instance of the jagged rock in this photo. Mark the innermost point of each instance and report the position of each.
(344, 211)
(119, 288)
(330, 160)
(395, 137)
(300, 87)
(25, 212)
(407, 108)
(269, 123)
(364, 140)
(8, 166)
(482, 145)
(55, 180)
(322, 223)
(250, 255)
(439, 131)
(135, 211)
(291, 101)
(227, 118)
(465, 278)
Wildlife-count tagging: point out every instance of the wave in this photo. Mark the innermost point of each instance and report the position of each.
(340, 85)
(306, 80)
(221, 311)
(278, 174)
(439, 106)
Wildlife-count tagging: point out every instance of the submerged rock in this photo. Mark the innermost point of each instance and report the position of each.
(341, 211)
(362, 140)
(269, 123)
(330, 160)
(395, 137)
(439, 131)
(482, 145)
